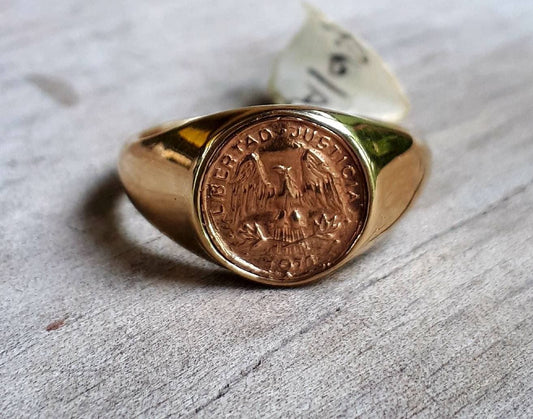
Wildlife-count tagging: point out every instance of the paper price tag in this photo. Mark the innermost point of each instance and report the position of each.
(327, 66)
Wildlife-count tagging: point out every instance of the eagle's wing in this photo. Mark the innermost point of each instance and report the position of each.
(319, 179)
(249, 188)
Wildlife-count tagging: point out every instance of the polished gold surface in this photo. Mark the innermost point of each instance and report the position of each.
(164, 172)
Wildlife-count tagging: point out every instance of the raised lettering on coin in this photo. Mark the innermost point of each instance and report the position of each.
(284, 199)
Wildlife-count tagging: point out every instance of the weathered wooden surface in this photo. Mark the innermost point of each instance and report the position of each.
(435, 321)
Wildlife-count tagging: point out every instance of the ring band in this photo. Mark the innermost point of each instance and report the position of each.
(278, 194)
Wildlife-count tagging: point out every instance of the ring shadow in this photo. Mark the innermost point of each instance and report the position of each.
(101, 222)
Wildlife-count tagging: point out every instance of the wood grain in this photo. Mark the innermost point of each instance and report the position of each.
(104, 317)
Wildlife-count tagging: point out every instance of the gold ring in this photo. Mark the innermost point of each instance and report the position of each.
(279, 194)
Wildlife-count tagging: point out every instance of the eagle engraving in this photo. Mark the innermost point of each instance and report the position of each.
(284, 194)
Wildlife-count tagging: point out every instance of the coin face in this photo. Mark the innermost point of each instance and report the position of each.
(284, 198)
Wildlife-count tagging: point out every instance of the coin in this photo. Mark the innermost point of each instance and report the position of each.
(284, 198)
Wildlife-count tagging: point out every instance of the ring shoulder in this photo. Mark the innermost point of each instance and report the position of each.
(397, 164)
